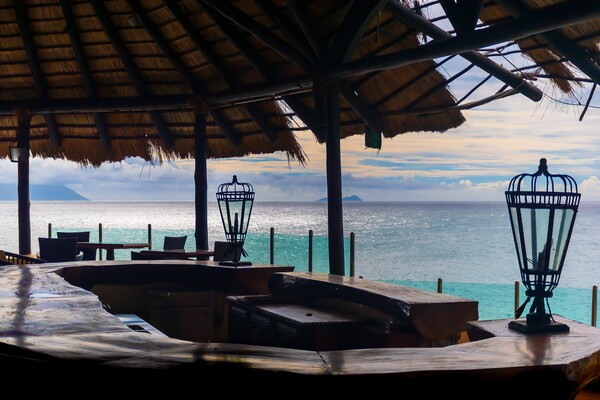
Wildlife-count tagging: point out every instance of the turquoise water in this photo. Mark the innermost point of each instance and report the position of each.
(468, 245)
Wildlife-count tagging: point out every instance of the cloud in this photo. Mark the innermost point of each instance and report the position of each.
(590, 188)
(472, 162)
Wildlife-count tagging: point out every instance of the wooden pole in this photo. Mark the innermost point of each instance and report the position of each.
(310, 250)
(334, 184)
(200, 177)
(272, 246)
(439, 285)
(49, 229)
(24, 207)
(516, 296)
(594, 304)
(149, 236)
(100, 240)
(352, 254)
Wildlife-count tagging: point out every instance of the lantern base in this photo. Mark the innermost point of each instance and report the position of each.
(522, 326)
(235, 263)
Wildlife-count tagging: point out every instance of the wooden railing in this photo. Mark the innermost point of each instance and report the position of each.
(15, 258)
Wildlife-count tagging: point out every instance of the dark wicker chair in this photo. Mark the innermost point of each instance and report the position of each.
(59, 249)
(88, 254)
(174, 242)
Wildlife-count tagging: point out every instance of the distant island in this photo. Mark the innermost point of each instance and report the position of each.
(8, 192)
(348, 198)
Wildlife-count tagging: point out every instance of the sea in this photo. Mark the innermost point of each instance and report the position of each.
(466, 247)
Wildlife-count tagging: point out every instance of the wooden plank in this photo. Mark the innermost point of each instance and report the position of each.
(309, 315)
(434, 315)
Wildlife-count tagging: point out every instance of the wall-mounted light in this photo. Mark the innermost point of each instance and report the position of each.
(18, 154)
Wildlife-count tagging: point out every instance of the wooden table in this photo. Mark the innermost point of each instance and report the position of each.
(200, 254)
(111, 246)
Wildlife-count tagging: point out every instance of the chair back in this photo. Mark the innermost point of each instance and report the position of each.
(88, 254)
(174, 242)
(58, 249)
(224, 251)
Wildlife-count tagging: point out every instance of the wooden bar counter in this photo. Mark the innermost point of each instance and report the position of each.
(57, 338)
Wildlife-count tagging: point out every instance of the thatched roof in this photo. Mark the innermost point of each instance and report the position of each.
(105, 80)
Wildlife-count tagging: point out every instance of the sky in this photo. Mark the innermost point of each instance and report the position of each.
(473, 162)
(470, 163)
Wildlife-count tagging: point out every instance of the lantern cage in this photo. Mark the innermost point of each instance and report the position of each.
(235, 200)
(542, 209)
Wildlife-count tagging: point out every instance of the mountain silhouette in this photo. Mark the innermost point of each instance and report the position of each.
(8, 192)
(348, 198)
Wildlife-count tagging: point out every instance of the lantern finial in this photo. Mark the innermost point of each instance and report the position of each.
(543, 168)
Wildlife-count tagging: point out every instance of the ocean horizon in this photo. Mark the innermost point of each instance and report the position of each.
(468, 245)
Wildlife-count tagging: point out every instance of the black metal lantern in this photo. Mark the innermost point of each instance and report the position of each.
(235, 204)
(542, 209)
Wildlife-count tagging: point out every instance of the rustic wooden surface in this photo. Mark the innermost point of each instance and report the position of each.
(52, 327)
(434, 315)
(307, 314)
(242, 279)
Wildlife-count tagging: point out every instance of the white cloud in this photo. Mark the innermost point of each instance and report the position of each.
(472, 162)
(590, 189)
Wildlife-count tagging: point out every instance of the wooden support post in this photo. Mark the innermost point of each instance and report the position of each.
(149, 236)
(439, 285)
(272, 246)
(516, 297)
(200, 176)
(594, 304)
(310, 250)
(100, 240)
(24, 207)
(335, 213)
(352, 254)
(49, 229)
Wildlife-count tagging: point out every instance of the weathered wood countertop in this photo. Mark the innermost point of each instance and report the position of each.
(50, 329)
(434, 315)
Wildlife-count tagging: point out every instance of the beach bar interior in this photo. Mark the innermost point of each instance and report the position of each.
(100, 81)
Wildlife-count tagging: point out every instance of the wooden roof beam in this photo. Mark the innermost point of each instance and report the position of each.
(131, 68)
(307, 25)
(406, 85)
(418, 22)
(576, 55)
(219, 66)
(463, 14)
(561, 15)
(86, 75)
(224, 125)
(100, 105)
(34, 65)
(292, 34)
(303, 112)
(257, 30)
(371, 118)
(354, 26)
